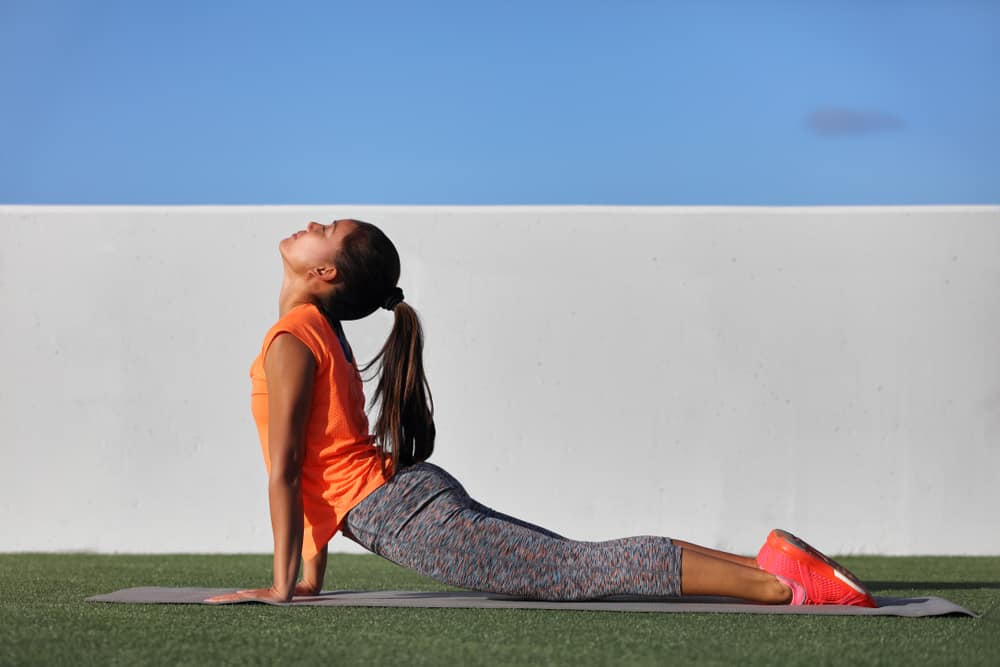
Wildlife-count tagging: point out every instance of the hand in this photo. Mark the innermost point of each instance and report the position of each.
(250, 595)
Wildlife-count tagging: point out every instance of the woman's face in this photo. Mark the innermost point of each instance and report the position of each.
(315, 246)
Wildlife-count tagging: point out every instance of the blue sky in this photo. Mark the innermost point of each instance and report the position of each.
(585, 102)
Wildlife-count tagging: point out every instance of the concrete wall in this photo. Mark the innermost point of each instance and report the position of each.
(705, 373)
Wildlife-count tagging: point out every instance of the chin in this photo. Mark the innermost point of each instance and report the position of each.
(281, 248)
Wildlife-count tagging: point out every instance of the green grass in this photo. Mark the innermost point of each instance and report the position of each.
(44, 621)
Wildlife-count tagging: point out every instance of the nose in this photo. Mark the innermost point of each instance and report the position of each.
(313, 225)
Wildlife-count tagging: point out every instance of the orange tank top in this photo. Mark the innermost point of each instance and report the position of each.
(341, 465)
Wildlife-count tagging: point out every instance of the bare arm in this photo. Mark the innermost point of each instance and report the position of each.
(289, 367)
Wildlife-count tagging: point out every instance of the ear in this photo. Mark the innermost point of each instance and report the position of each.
(327, 274)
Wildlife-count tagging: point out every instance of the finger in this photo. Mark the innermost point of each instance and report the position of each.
(227, 597)
(218, 599)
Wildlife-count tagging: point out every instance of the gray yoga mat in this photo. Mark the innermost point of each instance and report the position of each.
(924, 606)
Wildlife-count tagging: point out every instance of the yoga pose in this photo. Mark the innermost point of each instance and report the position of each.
(327, 471)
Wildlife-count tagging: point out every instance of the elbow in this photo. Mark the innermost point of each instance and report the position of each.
(286, 463)
(285, 476)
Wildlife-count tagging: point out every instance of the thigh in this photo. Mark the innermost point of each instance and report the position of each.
(452, 541)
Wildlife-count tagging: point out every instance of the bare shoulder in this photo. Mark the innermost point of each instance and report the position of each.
(288, 357)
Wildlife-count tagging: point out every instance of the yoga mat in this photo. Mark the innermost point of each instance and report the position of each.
(923, 606)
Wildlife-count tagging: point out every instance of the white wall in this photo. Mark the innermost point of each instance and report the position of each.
(704, 373)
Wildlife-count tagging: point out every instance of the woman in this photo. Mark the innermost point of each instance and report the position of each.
(327, 473)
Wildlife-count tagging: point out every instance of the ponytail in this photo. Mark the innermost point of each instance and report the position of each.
(369, 268)
(404, 428)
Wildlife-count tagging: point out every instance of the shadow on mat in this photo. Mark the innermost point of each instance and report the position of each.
(932, 585)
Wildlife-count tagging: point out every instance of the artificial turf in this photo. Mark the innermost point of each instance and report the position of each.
(44, 620)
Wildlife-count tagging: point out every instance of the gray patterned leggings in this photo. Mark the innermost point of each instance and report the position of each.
(424, 520)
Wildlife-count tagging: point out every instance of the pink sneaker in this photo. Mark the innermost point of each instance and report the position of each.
(823, 580)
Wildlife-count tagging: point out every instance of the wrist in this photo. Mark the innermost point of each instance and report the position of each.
(282, 593)
(307, 587)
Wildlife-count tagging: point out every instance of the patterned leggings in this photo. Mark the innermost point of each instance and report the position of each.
(424, 520)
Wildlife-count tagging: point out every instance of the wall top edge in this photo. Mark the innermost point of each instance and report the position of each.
(19, 208)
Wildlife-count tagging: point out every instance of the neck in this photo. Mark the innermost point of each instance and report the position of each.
(292, 294)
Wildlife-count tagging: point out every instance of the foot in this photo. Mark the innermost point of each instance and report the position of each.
(823, 580)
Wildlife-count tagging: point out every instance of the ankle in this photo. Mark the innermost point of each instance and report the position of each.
(798, 591)
(783, 592)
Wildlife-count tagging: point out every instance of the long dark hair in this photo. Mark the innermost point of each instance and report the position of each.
(368, 264)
